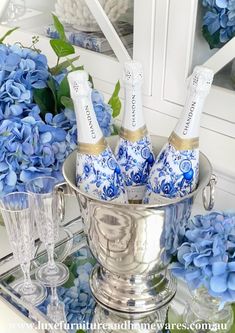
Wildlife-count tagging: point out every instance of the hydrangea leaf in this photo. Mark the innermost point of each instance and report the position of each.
(62, 48)
(9, 32)
(116, 129)
(44, 99)
(91, 81)
(64, 65)
(67, 102)
(76, 68)
(52, 87)
(115, 102)
(212, 40)
(59, 27)
(70, 282)
(10, 279)
(63, 91)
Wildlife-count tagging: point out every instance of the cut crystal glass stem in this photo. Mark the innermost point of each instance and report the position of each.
(28, 287)
(51, 261)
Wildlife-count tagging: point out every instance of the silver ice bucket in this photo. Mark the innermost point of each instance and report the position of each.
(134, 243)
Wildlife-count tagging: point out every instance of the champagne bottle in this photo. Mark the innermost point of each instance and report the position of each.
(176, 169)
(134, 150)
(97, 171)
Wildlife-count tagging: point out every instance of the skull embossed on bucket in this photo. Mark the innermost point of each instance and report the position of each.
(134, 243)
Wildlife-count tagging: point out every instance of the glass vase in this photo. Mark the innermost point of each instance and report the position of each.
(205, 314)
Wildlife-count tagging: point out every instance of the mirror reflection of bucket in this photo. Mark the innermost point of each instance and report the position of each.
(134, 243)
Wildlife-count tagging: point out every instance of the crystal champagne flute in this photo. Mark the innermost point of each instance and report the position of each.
(19, 222)
(46, 206)
(56, 308)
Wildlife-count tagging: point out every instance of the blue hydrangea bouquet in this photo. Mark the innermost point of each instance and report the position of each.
(218, 21)
(206, 255)
(37, 121)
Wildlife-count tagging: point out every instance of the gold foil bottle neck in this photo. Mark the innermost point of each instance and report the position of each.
(92, 149)
(133, 136)
(183, 144)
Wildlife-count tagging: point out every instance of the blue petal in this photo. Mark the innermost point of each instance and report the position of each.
(48, 117)
(201, 261)
(231, 281)
(189, 276)
(219, 268)
(97, 97)
(29, 120)
(221, 3)
(177, 270)
(184, 249)
(70, 114)
(12, 61)
(231, 266)
(27, 148)
(59, 134)
(3, 166)
(212, 21)
(27, 175)
(16, 109)
(11, 178)
(218, 283)
(46, 137)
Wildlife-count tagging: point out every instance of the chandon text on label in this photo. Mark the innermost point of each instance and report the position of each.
(88, 114)
(190, 116)
(133, 108)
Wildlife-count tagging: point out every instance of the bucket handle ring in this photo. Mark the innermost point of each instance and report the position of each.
(60, 190)
(208, 193)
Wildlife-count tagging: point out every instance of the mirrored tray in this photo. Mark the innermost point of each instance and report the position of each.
(71, 302)
(71, 307)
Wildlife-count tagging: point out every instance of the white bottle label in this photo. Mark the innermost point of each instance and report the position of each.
(133, 118)
(200, 83)
(87, 125)
(189, 124)
(89, 131)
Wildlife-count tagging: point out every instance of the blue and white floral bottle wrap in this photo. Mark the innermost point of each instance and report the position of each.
(174, 174)
(100, 176)
(136, 160)
(134, 150)
(97, 171)
(176, 170)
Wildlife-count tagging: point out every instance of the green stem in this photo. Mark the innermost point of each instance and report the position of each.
(58, 62)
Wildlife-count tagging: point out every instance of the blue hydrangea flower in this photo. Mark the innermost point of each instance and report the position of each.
(103, 113)
(30, 145)
(21, 70)
(206, 256)
(219, 20)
